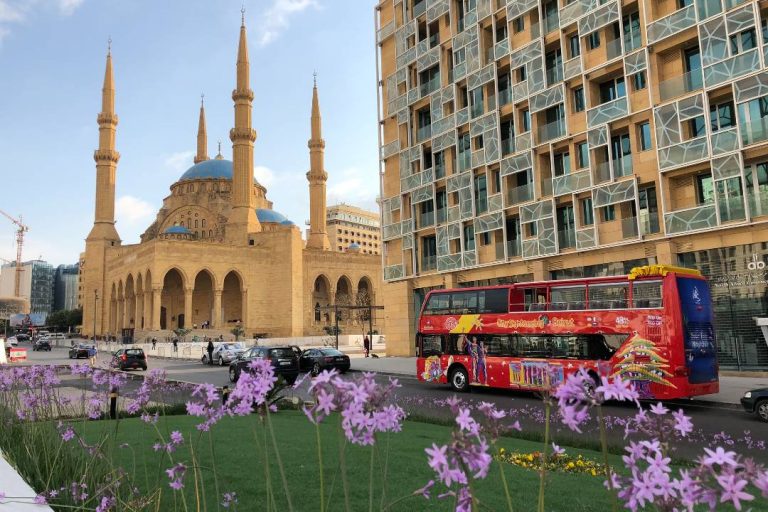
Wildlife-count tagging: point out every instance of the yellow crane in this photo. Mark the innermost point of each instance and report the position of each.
(20, 230)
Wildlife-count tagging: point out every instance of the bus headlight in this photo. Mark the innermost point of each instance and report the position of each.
(748, 394)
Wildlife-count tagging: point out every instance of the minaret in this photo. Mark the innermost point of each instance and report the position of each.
(103, 235)
(242, 220)
(202, 135)
(318, 235)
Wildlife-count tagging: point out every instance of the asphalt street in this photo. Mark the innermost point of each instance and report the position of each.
(727, 426)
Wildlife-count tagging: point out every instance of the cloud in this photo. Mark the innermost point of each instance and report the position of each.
(264, 175)
(179, 161)
(277, 17)
(133, 211)
(17, 11)
(354, 188)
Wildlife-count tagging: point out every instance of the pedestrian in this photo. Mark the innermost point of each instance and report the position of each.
(92, 355)
(154, 343)
(367, 346)
(210, 352)
(175, 344)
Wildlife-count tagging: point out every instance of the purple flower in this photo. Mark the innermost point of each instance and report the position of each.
(424, 491)
(659, 409)
(761, 482)
(719, 456)
(683, 423)
(40, 500)
(466, 422)
(2, 495)
(176, 437)
(732, 490)
(556, 450)
(229, 499)
(107, 502)
(437, 456)
(617, 389)
(176, 475)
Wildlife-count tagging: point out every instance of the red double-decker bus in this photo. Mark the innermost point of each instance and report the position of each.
(653, 327)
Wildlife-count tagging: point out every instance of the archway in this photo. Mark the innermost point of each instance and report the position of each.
(120, 308)
(112, 310)
(202, 298)
(232, 299)
(172, 301)
(139, 315)
(343, 295)
(321, 297)
(364, 297)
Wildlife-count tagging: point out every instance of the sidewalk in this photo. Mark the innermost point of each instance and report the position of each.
(732, 388)
(20, 495)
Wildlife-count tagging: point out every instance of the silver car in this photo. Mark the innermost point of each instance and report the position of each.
(225, 353)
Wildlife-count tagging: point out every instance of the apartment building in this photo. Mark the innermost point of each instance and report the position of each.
(546, 139)
(352, 228)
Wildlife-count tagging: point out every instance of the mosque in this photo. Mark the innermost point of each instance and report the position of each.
(218, 254)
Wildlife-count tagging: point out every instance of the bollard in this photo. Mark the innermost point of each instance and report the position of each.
(224, 394)
(113, 404)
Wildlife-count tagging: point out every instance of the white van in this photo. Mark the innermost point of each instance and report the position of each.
(57, 336)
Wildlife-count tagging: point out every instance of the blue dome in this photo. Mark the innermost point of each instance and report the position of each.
(210, 169)
(265, 215)
(177, 230)
(286, 222)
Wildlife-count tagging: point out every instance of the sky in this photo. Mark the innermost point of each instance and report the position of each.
(165, 55)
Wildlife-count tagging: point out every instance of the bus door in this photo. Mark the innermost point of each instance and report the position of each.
(698, 330)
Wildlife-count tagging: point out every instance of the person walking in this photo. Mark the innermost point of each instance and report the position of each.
(210, 352)
(154, 343)
(92, 355)
(175, 344)
(367, 346)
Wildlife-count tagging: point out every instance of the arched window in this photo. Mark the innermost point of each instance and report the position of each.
(203, 224)
(203, 233)
(210, 233)
(196, 223)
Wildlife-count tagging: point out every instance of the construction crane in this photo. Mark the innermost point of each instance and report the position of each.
(21, 229)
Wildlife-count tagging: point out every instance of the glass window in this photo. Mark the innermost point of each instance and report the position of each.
(498, 345)
(578, 99)
(647, 294)
(638, 81)
(518, 24)
(521, 74)
(582, 155)
(431, 345)
(469, 238)
(493, 301)
(644, 132)
(705, 190)
(574, 45)
(697, 127)
(632, 37)
(587, 213)
(438, 304)
(594, 40)
(743, 41)
(562, 164)
(609, 213)
(721, 116)
(608, 296)
(481, 194)
(612, 89)
(464, 303)
(568, 297)
(526, 115)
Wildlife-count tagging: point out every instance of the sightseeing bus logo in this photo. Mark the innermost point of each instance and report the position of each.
(451, 323)
(622, 320)
(756, 263)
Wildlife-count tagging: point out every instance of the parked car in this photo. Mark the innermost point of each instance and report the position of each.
(316, 360)
(13, 341)
(284, 361)
(21, 337)
(41, 344)
(756, 401)
(79, 350)
(224, 353)
(129, 358)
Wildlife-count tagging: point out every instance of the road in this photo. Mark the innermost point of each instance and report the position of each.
(715, 424)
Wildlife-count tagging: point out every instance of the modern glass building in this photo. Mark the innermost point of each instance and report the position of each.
(65, 287)
(527, 139)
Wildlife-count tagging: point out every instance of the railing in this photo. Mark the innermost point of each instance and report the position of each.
(551, 131)
(546, 186)
(755, 131)
(428, 263)
(554, 75)
(622, 166)
(499, 251)
(439, 171)
(670, 25)
(490, 55)
(419, 8)
(430, 86)
(698, 217)
(507, 146)
(521, 194)
(758, 202)
(426, 219)
(464, 160)
(632, 41)
(679, 85)
(649, 224)
(602, 172)
(725, 141)
(707, 8)
(731, 208)
(684, 152)
(551, 22)
(607, 112)
(434, 40)
(569, 183)
(477, 109)
(424, 133)
(566, 238)
(441, 214)
(629, 227)
(727, 69)
(514, 248)
(613, 48)
(505, 96)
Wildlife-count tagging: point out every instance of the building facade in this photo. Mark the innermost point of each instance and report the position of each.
(534, 140)
(35, 286)
(352, 226)
(65, 287)
(217, 253)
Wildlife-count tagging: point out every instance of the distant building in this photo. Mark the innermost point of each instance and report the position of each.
(65, 284)
(36, 284)
(349, 225)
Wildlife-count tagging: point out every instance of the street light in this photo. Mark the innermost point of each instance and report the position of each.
(95, 298)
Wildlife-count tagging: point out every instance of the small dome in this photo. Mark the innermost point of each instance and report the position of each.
(211, 169)
(177, 230)
(271, 216)
(286, 222)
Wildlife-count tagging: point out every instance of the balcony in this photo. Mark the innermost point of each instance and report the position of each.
(690, 219)
(672, 24)
(505, 96)
(426, 219)
(554, 75)
(434, 40)
(569, 183)
(514, 248)
(680, 85)
(419, 8)
(441, 214)
(649, 222)
(607, 112)
(464, 160)
(507, 146)
(428, 263)
(424, 133)
(602, 172)
(551, 131)
(566, 238)
(622, 167)
(728, 69)
(629, 227)
(521, 194)
(613, 49)
(546, 186)
(551, 22)
(725, 141)
(731, 208)
(755, 131)
(476, 110)
(439, 170)
(758, 202)
(686, 152)
(430, 86)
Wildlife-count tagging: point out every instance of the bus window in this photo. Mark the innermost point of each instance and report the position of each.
(457, 344)
(498, 345)
(438, 304)
(431, 346)
(493, 301)
(560, 347)
(597, 348)
(531, 345)
(647, 294)
(535, 299)
(568, 297)
(463, 303)
(608, 296)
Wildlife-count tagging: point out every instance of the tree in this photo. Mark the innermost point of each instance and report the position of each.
(181, 333)
(65, 319)
(362, 316)
(237, 332)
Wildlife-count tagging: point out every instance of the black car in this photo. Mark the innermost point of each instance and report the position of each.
(41, 344)
(284, 361)
(22, 337)
(316, 360)
(80, 350)
(129, 358)
(756, 401)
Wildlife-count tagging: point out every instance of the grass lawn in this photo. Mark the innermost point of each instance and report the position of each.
(239, 446)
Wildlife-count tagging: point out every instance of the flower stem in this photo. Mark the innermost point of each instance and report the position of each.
(279, 460)
(543, 472)
(504, 482)
(604, 446)
(343, 463)
(320, 463)
(370, 481)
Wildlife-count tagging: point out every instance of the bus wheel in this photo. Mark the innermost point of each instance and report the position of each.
(459, 380)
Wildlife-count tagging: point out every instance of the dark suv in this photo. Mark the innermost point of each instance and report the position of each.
(284, 361)
(41, 344)
(126, 358)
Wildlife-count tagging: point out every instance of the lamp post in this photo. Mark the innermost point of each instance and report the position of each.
(95, 298)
